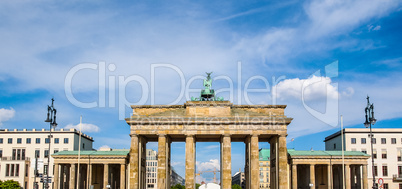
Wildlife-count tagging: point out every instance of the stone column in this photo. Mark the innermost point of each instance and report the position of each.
(122, 176)
(72, 183)
(105, 175)
(190, 162)
(142, 162)
(365, 177)
(294, 176)
(226, 162)
(274, 162)
(162, 179)
(347, 176)
(56, 176)
(283, 162)
(312, 175)
(134, 164)
(329, 178)
(89, 175)
(254, 163)
(247, 163)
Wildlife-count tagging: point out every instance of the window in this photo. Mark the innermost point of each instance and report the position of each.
(26, 170)
(383, 141)
(17, 170)
(7, 170)
(10, 140)
(375, 170)
(385, 185)
(12, 170)
(375, 154)
(56, 140)
(363, 140)
(1, 140)
(56, 150)
(334, 146)
(393, 140)
(65, 140)
(384, 170)
(399, 158)
(374, 141)
(353, 140)
(37, 153)
(18, 154)
(384, 154)
(364, 151)
(19, 140)
(23, 154)
(45, 169)
(37, 140)
(28, 140)
(83, 145)
(1, 153)
(13, 156)
(47, 140)
(46, 153)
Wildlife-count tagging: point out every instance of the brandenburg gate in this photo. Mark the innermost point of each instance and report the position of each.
(206, 119)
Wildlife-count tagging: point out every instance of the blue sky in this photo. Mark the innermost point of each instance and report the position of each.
(321, 58)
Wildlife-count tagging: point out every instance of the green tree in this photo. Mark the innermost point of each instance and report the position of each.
(197, 185)
(177, 186)
(10, 184)
(236, 186)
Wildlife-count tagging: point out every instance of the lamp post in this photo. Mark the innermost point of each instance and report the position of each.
(51, 119)
(370, 120)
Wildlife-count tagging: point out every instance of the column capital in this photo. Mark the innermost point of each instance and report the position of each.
(190, 135)
(133, 135)
(226, 135)
(254, 135)
(283, 135)
(162, 135)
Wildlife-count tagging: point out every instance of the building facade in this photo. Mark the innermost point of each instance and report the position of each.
(175, 178)
(23, 150)
(387, 149)
(264, 168)
(239, 179)
(152, 168)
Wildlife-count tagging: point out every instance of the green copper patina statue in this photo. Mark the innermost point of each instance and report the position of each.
(207, 94)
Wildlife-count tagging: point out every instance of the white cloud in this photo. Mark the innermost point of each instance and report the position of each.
(104, 146)
(372, 28)
(209, 165)
(337, 16)
(86, 127)
(6, 114)
(311, 89)
(211, 147)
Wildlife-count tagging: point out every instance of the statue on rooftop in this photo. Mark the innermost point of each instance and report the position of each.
(207, 94)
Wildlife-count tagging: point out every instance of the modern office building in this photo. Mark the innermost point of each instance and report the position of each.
(239, 179)
(20, 149)
(175, 178)
(152, 169)
(387, 149)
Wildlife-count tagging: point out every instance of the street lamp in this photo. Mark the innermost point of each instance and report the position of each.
(51, 119)
(370, 120)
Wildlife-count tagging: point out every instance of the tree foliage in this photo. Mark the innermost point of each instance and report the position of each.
(177, 186)
(197, 185)
(9, 184)
(236, 186)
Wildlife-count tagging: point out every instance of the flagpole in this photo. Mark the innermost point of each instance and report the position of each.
(79, 154)
(343, 156)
